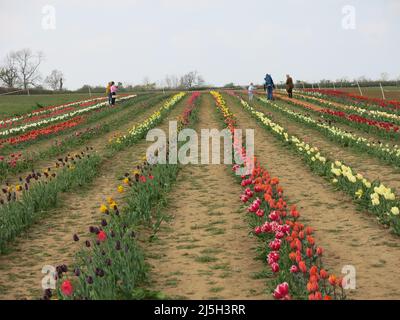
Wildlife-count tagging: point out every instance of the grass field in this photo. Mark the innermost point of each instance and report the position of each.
(391, 93)
(18, 104)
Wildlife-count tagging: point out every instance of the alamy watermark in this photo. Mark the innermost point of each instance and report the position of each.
(49, 17)
(183, 147)
(349, 18)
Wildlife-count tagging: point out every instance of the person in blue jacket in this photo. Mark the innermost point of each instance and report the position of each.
(269, 86)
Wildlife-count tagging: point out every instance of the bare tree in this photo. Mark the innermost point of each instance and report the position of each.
(55, 80)
(191, 79)
(27, 64)
(8, 72)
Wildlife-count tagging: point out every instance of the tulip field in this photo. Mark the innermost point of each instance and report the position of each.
(87, 214)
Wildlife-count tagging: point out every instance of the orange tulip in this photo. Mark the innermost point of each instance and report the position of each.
(309, 231)
(327, 298)
(310, 240)
(313, 278)
(323, 274)
(312, 286)
(274, 181)
(313, 270)
(332, 280)
(292, 256)
(302, 266)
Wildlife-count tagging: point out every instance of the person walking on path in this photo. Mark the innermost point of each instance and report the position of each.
(113, 90)
(108, 93)
(269, 86)
(250, 91)
(289, 86)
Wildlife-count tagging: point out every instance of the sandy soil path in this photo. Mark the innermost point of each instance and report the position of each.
(205, 251)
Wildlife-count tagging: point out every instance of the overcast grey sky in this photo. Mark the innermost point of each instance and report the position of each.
(95, 41)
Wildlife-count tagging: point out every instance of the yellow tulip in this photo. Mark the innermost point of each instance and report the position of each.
(395, 211)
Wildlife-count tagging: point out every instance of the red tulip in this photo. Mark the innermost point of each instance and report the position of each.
(102, 236)
(66, 288)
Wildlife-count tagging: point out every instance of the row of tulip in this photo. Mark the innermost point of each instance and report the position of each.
(373, 113)
(111, 264)
(47, 111)
(291, 250)
(384, 129)
(24, 203)
(366, 101)
(138, 131)
(373, 196)
(15, 216)
(386, 152)
(63, 117)
(50, 130)
(11, 164)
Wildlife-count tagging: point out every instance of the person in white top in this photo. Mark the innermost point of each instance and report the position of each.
(250, 91)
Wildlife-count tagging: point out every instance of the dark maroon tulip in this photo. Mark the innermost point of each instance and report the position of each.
(76, 238)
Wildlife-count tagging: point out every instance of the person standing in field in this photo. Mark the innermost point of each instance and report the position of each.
(250, 91)
(269, 86)
(108, 93)
(113, 90)
(289, 86)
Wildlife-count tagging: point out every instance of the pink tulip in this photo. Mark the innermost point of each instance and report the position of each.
(275, 245)
(294, 269)
(275, 267)
(260, 213)
(282, 292)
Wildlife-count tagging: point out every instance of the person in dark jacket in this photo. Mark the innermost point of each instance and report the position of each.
(269, 86)
(289, 86)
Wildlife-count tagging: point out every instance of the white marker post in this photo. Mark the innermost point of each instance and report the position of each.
(334, 87)
(383, 92)
(90, 92)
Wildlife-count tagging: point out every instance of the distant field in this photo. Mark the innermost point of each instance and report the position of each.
(18, 104)
(391, 93)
